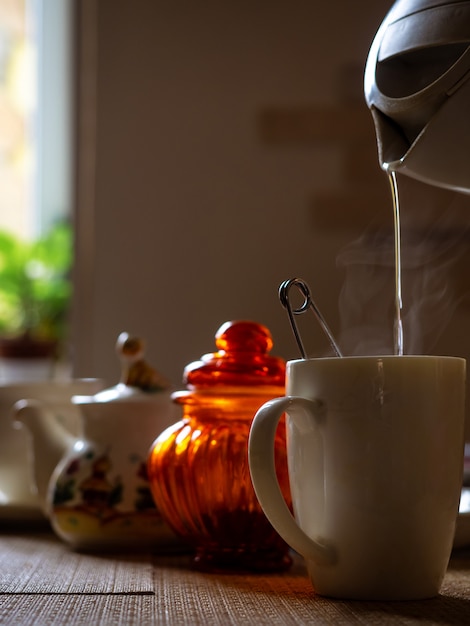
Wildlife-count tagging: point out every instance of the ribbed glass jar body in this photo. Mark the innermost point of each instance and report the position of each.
(199, 476)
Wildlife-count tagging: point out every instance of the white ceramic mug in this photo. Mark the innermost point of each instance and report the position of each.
(375, 455)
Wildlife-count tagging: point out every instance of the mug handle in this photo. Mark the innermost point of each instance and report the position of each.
(263, 474)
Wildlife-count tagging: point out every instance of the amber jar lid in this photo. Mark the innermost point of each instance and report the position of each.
(242, 359)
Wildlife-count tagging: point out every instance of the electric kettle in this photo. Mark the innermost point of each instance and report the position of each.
(417, 86)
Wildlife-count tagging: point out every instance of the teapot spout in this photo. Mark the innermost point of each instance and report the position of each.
(49, 440)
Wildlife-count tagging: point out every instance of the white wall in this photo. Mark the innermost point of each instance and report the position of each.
(194, 219)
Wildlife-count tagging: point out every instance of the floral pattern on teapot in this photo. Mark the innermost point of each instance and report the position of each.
(90, 497)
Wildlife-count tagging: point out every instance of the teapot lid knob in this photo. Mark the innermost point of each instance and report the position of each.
(135, 371)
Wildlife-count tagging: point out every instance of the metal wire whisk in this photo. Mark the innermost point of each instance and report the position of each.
(308, 303)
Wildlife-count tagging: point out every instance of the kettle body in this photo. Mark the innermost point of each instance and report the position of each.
(417, 86)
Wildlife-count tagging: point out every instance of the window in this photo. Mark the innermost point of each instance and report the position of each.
(35, 114)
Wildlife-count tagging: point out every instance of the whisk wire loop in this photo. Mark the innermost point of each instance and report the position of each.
(307, 304)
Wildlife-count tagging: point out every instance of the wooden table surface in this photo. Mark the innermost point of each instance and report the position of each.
(43, 582)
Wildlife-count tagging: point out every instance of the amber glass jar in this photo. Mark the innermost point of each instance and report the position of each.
(198, 468)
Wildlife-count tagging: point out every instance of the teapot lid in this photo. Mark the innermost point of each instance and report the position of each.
(138, 378)
(242, 359)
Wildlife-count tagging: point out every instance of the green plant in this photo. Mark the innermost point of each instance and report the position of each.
(35, 287)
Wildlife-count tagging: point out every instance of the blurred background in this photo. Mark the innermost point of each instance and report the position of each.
(232, 149)
(216, 149)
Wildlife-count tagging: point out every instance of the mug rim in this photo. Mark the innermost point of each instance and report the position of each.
(381, 357)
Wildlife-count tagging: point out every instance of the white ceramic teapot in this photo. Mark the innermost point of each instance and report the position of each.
(417, 86)
(94, 487)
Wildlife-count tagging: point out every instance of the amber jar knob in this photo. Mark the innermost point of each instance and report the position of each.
(198, 468)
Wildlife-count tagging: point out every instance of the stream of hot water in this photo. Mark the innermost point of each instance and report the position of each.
(398, 323)
(417, 87)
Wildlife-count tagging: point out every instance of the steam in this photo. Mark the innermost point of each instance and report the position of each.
(431, 246)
